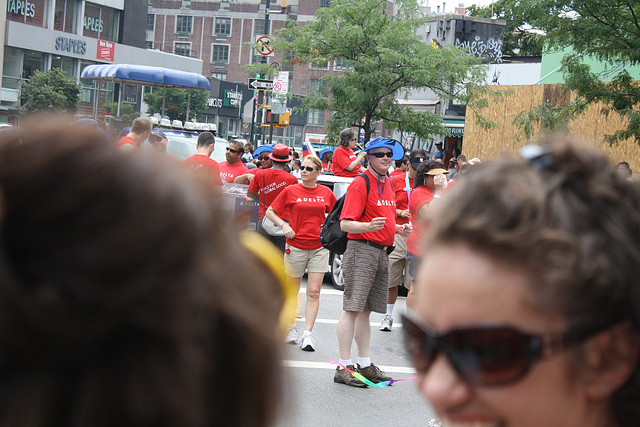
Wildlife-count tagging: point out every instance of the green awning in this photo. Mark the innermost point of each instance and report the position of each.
(455, 127)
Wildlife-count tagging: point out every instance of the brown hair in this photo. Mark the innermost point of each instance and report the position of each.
(123, 293)
(346, 136)
(141, 125)
(571, 223)
(315, 160)
(205, 139)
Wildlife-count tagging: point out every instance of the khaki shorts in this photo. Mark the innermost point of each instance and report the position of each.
(398, 263)
(299, 260)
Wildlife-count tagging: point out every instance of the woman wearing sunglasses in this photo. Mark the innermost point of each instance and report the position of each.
(427, 186)
(307, 203)
(528, 302)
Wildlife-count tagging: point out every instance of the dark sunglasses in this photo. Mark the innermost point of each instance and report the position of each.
(486, 355)
(389, 154)
(306, 168)
(234, 151)
(264, 158)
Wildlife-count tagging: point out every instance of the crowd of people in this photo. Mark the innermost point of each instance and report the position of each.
(124, 284)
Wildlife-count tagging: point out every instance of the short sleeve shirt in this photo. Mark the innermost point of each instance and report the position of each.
(268, 184)
(199, 163)
(307, 208)
(342, 157)
(402, 194)
(381, 201)
(419, 197)
(230, 172)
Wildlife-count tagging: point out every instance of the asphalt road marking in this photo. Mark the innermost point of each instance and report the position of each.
(335, 322)
(327, 365)
(323, 291)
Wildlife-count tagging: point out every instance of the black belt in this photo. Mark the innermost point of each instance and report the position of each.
(387, 249)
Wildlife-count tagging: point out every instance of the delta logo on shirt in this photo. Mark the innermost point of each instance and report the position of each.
(316, 199)
(386, 202)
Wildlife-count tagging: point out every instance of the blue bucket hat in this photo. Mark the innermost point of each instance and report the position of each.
(392, 144)
(268, 148)
(326, 150)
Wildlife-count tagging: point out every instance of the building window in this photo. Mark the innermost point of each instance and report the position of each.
(341, 64)
(151, 22)
(183, 24)
(223, 27)
(319, 64)
(148, 44)
(65, 16)
(219, 53)
(220, 76)
(101, 22)
(317, 86)
(258, 27)
(315, 118)
(31, 12)
(65, 63)
(182, 48)
(325, 3)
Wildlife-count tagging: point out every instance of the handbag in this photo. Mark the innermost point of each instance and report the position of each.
(267, 225)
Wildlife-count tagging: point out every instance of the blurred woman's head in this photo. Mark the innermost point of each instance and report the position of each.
(123, 291)
(425, 173)
(534, 281)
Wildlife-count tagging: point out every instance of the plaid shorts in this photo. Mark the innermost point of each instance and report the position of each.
(366, 277)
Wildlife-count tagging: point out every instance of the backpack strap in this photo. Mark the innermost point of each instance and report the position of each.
(366, 180)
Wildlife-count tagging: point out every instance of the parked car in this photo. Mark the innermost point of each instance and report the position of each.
(182, 144)
(338, 185)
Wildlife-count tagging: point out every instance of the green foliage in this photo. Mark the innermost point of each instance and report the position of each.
(126, 110)
(50, 91)
(388, 60)
(518, 40)
(176, 102)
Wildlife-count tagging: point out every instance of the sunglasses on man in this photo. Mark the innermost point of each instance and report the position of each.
(486, 355)
(263, 158)
(234, 151)
(389, 154)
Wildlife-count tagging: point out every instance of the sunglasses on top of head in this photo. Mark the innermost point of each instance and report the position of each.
(389, 154)
(486, 355)
(234, 151)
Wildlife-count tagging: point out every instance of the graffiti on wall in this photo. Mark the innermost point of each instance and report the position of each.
(478, 46)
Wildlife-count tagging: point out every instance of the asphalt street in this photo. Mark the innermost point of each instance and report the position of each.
(312, 398)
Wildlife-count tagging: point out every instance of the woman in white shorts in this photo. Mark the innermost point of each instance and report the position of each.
(304, 206)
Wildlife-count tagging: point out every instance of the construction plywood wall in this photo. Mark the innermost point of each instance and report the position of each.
(591, 126)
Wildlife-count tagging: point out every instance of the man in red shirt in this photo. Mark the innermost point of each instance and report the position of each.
(267, 184)
(402, 167)
(370, 221)
(202, 164)
(233, 167)
(140, 131)
(398, 264)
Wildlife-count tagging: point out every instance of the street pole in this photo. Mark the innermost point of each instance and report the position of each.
(261, 94)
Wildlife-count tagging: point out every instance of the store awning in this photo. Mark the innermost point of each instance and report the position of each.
(145, 75)
(455, 127)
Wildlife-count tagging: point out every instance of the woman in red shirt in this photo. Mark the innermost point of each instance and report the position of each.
(306, 203)
(345, 162)
(428, 185)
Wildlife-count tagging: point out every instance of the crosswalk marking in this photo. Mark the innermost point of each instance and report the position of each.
(335, 322)
(326, 365)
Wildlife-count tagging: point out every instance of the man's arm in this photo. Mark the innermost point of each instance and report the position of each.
(357, 227)
(243, 179)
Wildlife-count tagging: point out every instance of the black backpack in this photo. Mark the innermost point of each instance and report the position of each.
(331, 235)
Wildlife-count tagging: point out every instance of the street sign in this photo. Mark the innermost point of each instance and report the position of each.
(281, 83)
(258, 84)
(264, 46)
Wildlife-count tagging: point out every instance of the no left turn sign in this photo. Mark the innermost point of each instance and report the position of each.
(264, 46)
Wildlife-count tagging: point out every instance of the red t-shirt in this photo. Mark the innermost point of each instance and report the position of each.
(381, 202)
(419, 197)
(230, 172)
(199, 163)
(307, 208)
(342, 157)
(268, 184)
(397, 172)
(125, 140)
(402, 198)
(327, 167)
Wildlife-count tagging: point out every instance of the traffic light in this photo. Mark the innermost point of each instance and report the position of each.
(283, 119)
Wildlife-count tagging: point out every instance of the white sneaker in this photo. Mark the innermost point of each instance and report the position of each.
(292, 335)
(307, 343)
(386, 324)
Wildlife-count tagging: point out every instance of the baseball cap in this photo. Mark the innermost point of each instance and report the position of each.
(417, 161)
(158, 133)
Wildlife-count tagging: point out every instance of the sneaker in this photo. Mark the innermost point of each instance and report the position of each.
(292, 335)
(343, 376)
(373, 374)
(387, 322)
(307, 343)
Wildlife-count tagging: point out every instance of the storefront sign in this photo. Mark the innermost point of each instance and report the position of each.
(21, 7)
(214, 102)
(93, 24)
(231, 98)
(316, 138)
(106, 50)
(70, 45)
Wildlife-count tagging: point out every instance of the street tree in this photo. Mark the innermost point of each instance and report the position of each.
(175, 106)
(604, 30)
(51, 91)
(383, 60)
